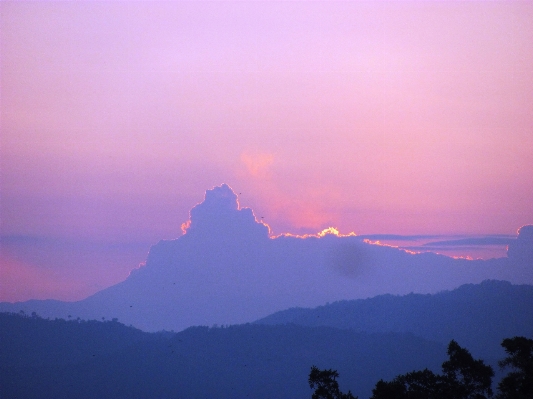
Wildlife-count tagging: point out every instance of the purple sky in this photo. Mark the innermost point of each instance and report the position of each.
(401, 118)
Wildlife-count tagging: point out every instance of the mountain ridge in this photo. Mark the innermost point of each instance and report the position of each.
(240, 361)
(479, 315)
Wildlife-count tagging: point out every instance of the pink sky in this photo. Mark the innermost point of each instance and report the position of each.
(400, 117)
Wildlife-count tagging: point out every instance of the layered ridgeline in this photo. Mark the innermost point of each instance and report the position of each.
(227, 269)
(94, 359)
(478, 316)
(75, 359)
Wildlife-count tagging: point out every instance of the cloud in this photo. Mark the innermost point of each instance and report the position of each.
(396, 237)
(526, 233)
(227, 269)
(521, 249)
(473, 241)
(221, 215)
(257, 164)
(351, 259)
(303, 211)
(466, 246)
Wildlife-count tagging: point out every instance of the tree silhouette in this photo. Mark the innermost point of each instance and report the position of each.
(414, 385)
(462, 378)
(518, 384)
(465, 377)
(326, 385)
(394, 389)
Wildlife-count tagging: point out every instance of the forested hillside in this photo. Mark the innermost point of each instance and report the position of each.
(65, 359)
(365, 341)
(478, 316)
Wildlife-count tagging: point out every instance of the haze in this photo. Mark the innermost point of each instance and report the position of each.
(407, 118)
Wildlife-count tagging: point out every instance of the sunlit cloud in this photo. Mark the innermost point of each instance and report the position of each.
(305, 210)
(257, 164)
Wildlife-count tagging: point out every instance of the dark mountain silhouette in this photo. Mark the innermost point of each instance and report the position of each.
(83, 360)
(32, 341)
(365, 340)
(226, 269)
(479, 316)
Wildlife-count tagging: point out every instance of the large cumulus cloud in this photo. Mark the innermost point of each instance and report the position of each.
(521, 249)
(220, 215)
(226, 269)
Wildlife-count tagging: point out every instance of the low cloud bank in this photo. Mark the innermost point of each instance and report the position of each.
(226, 269)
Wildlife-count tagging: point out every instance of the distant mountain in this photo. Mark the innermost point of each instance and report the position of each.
(226, 269)
(478, 316)
(66, 359)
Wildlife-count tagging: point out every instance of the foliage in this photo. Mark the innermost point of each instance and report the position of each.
(518, 384)
(326, 384)
(465, 377)
(462, 378)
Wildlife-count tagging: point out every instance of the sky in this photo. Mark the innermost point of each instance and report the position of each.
(405, 118)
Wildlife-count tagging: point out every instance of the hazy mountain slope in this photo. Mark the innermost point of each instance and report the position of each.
(256, 361)
(479, 316)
